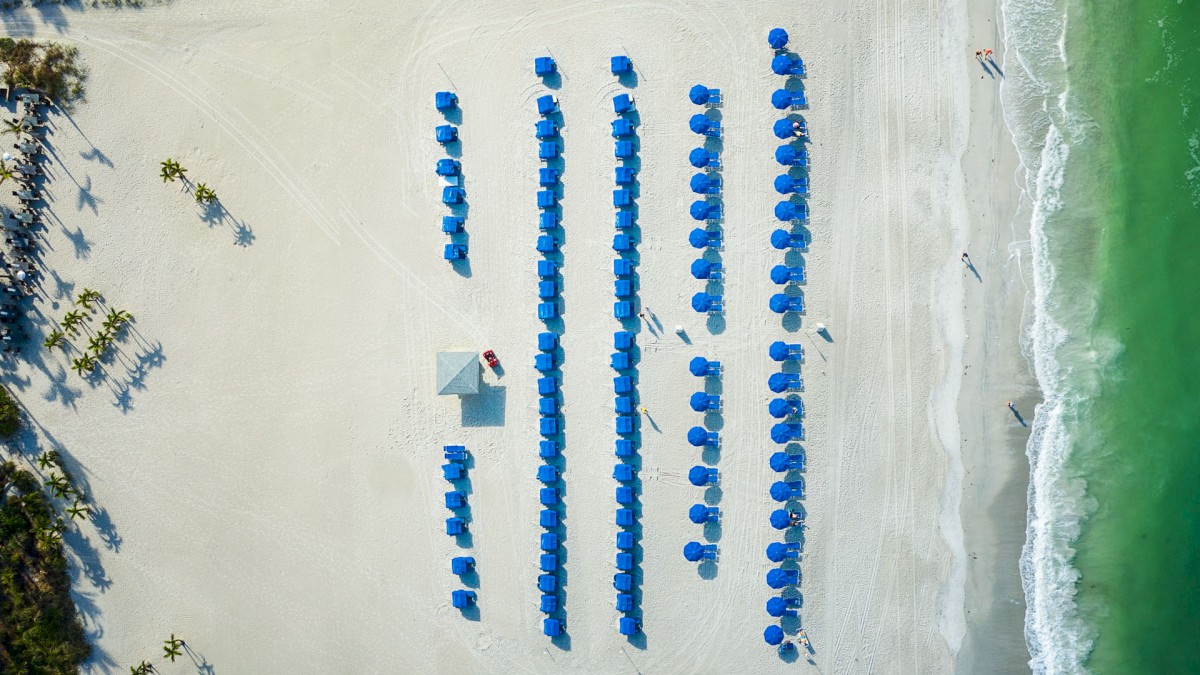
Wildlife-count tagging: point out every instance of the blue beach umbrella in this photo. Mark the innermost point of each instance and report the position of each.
(698, 94)
(777, 38)
(783, 433)
(701, 268)
(699, 210)
(697, 436)
(701, 183)
(783, 129)
(699, 158)
(785, 154)
(700, 514)
(779, 408)
(698, 366)
(693, 551)
(781, 99)
(778, 578)
(699, 401)
(781, 491)
(781, 461)
(781, 519)
(786, 211)
(700, 123)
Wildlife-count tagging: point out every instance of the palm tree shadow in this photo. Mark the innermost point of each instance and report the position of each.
(83, 247)
(214, 213)
(86, 198)
(95, 155)
(198, 660)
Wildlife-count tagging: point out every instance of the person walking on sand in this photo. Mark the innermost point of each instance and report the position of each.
(987, 54)
(978, 55)
(1012, 407)
(966, 259)
(643, 410)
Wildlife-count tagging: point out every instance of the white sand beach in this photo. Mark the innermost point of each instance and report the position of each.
(266, 451)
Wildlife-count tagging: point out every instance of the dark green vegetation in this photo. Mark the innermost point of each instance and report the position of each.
(10, 415)
(49, 67)
(40, 630)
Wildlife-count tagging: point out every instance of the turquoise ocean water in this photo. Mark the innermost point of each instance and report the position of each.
(1103, 98)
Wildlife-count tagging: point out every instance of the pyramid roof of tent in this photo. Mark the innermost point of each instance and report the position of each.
(457, 373)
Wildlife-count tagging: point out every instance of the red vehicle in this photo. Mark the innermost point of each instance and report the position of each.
(490, 357)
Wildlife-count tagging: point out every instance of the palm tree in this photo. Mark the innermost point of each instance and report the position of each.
(45, 461)
(83, 364)
(72, 319)
(86, 297)
(98, 343)
(58, 484)
(171, 648)
(204, 195)
(12, 127)
(55, 338)
(6, 172)
(79, 510)
(143, 668)
(171, 170)
(49, 537)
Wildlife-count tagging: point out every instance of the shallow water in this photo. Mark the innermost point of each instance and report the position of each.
(1103, 102)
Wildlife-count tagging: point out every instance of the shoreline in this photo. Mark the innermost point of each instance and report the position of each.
(995, 469)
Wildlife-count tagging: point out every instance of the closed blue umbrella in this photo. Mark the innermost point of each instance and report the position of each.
(698, 366)
(700, 123)
(785, 154)
(777, 38)
(701, 183)
(783, 129)
(698, 94)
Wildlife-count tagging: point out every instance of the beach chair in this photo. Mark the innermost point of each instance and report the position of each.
(548, 426)
(547, 342)
(456, 499)
(547, 386)
(625, 518)
(547, 220)
(547, 583)
(625, 541)
(624, 448)
(622, 197)
(623, 103)
(624, 150)
(621, 65)
(623, 582)
(455, 526)
(445, 133)
(543, 66)
(547, 289)
(623, 309)
(548, 518)
(545, 129)
(782, 304)
(623, 472)
(782, 274)
(548, 542)
(461, 565)
(547, 177)
(547, 310)
(624, 600)
(547, 269)
(624, 561)
(548, 562)
(548, 496)
(623, 384)
(626, 424)
(623, 288)
(445, 101)
(625, 175)
(624, 405)
(452, 224)
(460, 599)
(622, 267)
(625, 495)
(620, 361)
(447, 167)
(546, 199)
(548, 604)
(547, 449)
(704, 238)
(547, 405)
(780, 408)
(547, 473)
(455, 453)
(547, 243)
(547, 104)
(547, 150)
(552, 627)
(624, 220)
(622, 243)
(623, 340)
(701, 514)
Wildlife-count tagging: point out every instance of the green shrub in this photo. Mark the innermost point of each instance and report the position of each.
(10, 414)
(49, 67)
